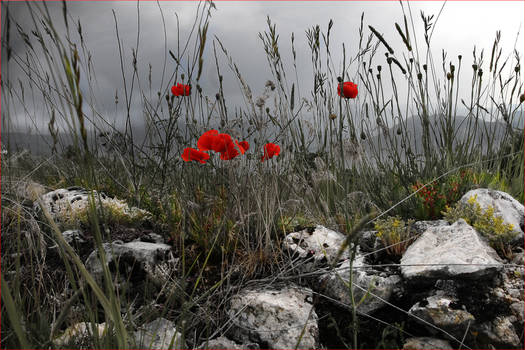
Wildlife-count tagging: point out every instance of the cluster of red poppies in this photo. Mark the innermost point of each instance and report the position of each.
(224, 144)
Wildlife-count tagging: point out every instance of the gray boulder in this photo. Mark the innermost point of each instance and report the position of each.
(70, 206)
(441, 311)
(321, 244)
(275, 319)
(426, 343)
(135, 259)
(499, 333)
(80, 334)
(365, 279)
(450, 252)
(225, 343)
(74, 237)
(159, 334)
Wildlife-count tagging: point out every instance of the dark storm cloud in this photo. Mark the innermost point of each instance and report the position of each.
(237, 24)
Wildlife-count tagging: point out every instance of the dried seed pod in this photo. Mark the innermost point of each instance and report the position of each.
(398, 131)
(475, 67)
(332, 116)
(425, 67)
(379, 68)
(449, 76)
(419, 76)
(340, 80)
(517, 68)
(363, 136)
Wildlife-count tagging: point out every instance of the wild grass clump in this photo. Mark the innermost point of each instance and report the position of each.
(341, 161)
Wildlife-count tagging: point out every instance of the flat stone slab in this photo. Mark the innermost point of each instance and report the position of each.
(450, 252)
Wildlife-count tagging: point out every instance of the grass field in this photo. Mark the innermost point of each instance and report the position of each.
(340, 160)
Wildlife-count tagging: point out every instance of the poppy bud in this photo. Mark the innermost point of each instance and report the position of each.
(199, 89)
(419, 76)
(517, 68)
(449, 76)
(425, 67)
(332, 116)
(480, 72)
(158, 93)
(370, 70)
(398, 131)
(217, 96)
(378, 121)
(267, 109)
(475, 67)
(220, 78)
(459, 57)
(182, 76)
(363, 136)
(364, 66)
(386, 54)
(411, 60)
(379, 67)
(452, 68)
(340, 80)
(522, 98)
(378, 76)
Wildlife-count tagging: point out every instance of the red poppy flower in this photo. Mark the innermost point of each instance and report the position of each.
(207, 141)
(349, 89)
(230, 152)
(180, 90)
(221, 143)
(190, 154)
(270, 150)
(243, 146)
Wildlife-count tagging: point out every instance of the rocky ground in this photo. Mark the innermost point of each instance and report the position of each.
(449, 290)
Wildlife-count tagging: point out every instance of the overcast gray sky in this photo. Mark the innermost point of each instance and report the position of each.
(460, 26)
